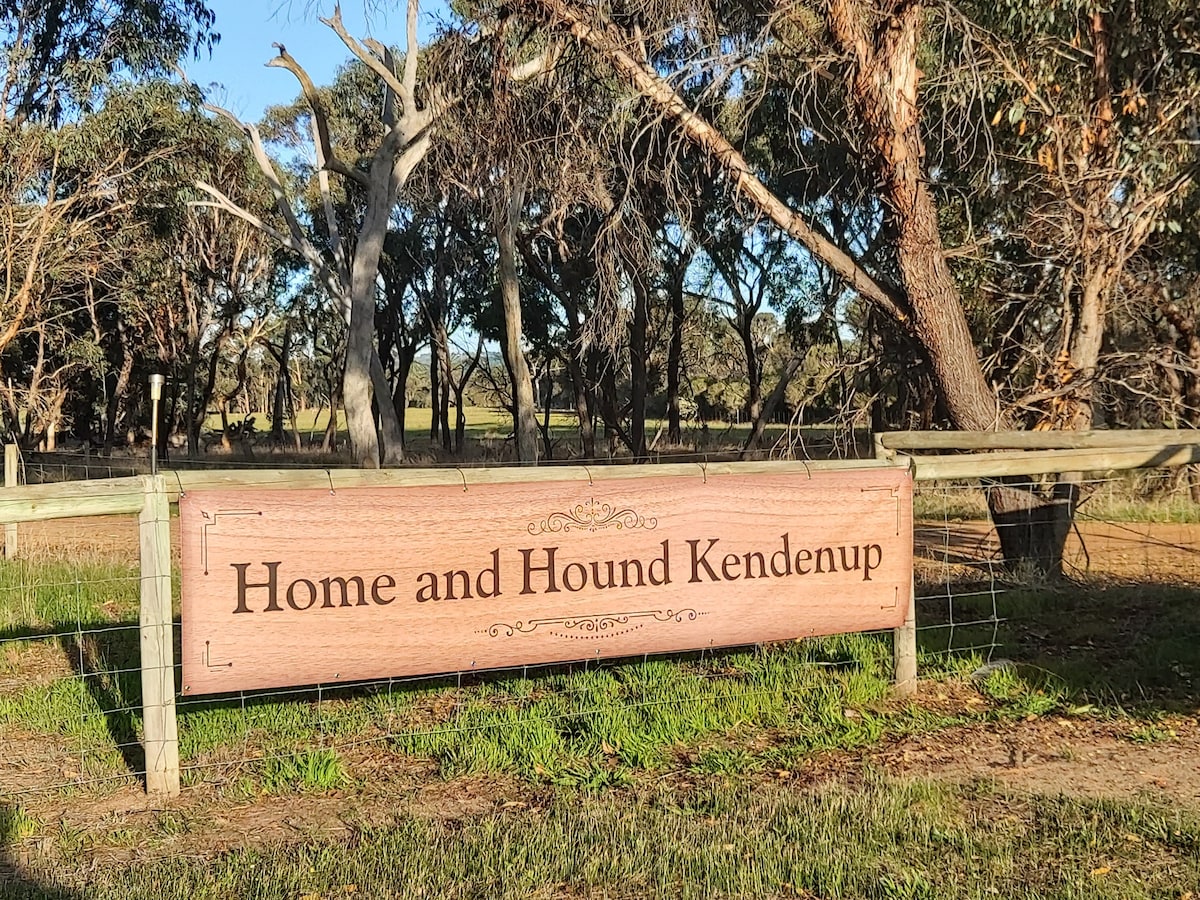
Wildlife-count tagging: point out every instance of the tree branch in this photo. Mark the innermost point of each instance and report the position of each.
(603, 39)
(374, 63)
(327, 158)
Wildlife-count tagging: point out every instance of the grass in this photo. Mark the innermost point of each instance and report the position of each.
(649, 777)
(1116, 650)
(1152, 496)
(588, 727)
(880, 839)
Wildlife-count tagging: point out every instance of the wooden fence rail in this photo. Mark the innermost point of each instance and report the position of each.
(1034, 440)
(1020, 453)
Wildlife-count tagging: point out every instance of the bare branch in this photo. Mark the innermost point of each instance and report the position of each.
(374, 63)
(326, 158)
(259, 153)
(301, 246)
(410, 57)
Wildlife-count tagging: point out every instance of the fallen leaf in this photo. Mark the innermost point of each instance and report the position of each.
(1103, 870)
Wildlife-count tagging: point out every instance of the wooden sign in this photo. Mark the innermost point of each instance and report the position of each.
(319, 586)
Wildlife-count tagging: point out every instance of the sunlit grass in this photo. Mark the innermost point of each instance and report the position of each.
(880, 839)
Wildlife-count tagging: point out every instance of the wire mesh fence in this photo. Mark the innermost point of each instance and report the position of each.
(71, 701)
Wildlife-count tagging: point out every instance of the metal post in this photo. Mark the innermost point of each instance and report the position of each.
(156, 386)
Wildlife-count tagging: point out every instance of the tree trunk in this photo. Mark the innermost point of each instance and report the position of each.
(610, 411)
(637, 366)
(583, 409)
(358, 377)
(1032, 529)
(548, 399)
(435, 391)
(442, 412)
(745, 329)
(329, 439)
(767, 411)
(525, 427)
(400, 391)
(117, 398)
(675, 364)
(391, 433)
(279, 402)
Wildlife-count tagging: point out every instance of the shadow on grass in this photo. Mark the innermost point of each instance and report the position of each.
(16, 883)
(1129, 644)
(109, 663)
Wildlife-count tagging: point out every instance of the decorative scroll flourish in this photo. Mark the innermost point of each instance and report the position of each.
(597, 624)
(593, 515)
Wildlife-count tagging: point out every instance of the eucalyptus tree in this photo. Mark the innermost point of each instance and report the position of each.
(97, 224)
(58, 57)
(859, 63)
(409, 112)
(448, 265)
(1089, 154)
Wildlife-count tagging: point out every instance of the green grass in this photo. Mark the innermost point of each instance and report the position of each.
(723, 839)
(651, 777)
(52, 595)
(484, 425)
(313, 770)
(588, 727)
(1117, 650)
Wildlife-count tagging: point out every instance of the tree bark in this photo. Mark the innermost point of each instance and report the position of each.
(675, 363)
(391, 432)
(279, 402)
(637, 366)
(767, 410)
(525, 427)
(117, 398)
(745, 328)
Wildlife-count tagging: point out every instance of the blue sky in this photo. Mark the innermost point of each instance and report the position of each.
(249, 27)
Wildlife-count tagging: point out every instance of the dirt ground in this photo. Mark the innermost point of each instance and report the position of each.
(1142, 551)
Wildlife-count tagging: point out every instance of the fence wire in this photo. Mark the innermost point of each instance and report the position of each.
(70, 677)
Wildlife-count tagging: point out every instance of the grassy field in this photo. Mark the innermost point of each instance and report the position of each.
(781, 771)
(488, 430)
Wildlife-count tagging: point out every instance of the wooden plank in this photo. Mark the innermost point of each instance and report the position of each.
(10, 481)
(1034, 440)
(1018, 462)
(158, 653)
(337, 479)
(306, 587)
(38, 502)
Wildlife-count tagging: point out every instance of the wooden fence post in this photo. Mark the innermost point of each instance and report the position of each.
(10, 480)
(904, 649)
(157, 639)
(904, 638)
